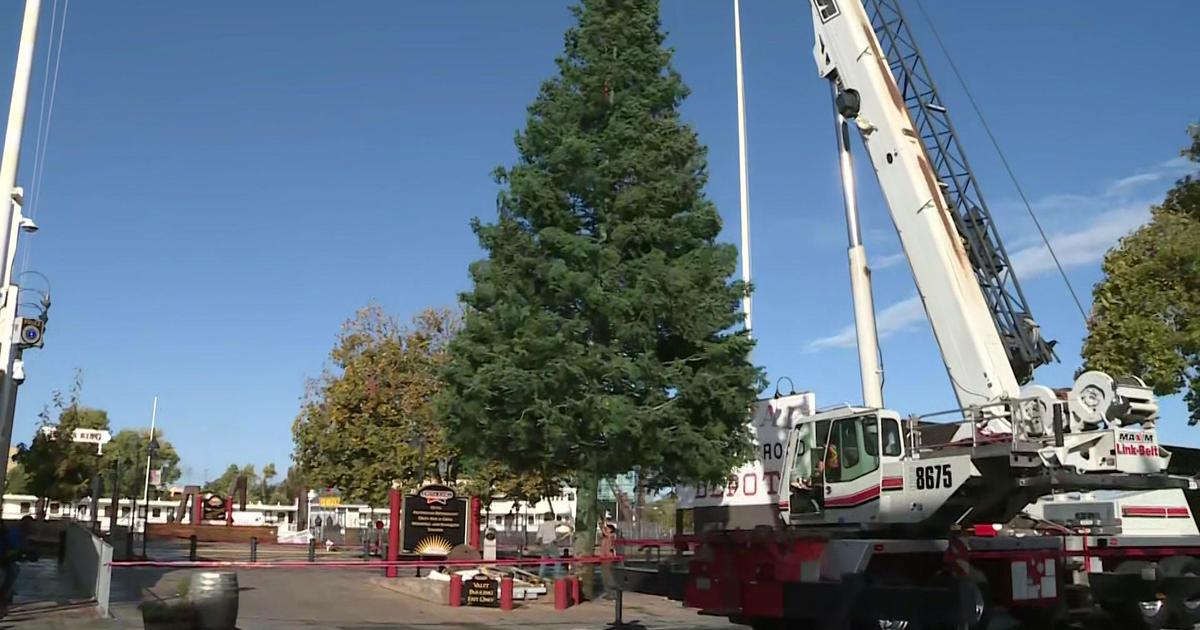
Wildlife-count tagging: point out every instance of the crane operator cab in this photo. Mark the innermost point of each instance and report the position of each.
(840, 464)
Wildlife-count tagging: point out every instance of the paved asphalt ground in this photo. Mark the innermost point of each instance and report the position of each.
(343, 599)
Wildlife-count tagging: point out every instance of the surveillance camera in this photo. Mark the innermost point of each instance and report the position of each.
(28, 225)
(18, 371)
(31, 332)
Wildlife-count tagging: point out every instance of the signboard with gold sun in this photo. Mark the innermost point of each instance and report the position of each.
(434, 521)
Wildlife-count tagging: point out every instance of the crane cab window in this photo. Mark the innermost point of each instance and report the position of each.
(853, 449)
(891, 438)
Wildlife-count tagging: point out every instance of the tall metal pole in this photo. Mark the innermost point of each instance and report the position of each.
(154, 417)
(743, 176)
(149, 454)
(10, 221)
(860, 273)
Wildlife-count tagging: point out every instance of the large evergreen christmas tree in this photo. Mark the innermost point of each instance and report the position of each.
(603, 330)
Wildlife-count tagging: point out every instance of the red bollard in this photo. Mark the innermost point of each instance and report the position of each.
(395, 503)
(506, 593)
(575, 590)
(560, 595)
(455, 590)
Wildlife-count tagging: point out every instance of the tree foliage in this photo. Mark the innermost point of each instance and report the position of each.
(361, 424)
(226, 483)
(602, 328)
(128, 447)
(57, 468)
(1146, 312)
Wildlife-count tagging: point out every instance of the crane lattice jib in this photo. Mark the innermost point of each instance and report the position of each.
(1022, 340)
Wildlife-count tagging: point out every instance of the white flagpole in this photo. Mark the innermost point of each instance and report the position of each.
(743, 177)
(146, 491)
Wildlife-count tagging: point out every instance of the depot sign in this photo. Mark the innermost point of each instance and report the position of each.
(757, 482)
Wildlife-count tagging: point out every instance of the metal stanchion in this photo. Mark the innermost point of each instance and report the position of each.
(618, 622)
(366, 549)
(312, 550)
(192, 548)
(254, 549)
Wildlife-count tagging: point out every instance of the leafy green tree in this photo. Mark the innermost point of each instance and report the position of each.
(226, 484)
(362, 424)
(128, 447)
(602, 331)
(16, 482)
(58, 468)
(1146, 311)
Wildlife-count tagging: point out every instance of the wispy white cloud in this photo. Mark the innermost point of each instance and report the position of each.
(1167, 170)
(1082, 247)
(895, 318)
(1122, 207)
(888, 260)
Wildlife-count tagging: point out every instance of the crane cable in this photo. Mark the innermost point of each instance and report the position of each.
(45, 114)
(1003, 160)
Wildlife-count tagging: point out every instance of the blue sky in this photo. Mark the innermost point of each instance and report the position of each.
(226, 182)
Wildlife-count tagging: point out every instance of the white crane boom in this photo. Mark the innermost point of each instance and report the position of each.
(848, 53)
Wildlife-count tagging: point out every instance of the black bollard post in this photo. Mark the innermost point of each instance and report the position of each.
(192, 548)
(383, 555)
(62, 546)
(312, 550)
(618, 622)
(254, 549)
(366, 549)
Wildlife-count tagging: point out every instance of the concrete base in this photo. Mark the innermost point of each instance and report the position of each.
(434, 591)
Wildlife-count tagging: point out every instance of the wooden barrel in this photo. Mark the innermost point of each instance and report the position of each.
(215, 596)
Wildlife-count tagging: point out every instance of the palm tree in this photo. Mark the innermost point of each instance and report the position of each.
(268, 472)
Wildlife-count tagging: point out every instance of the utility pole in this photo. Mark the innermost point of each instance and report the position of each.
(11, 222)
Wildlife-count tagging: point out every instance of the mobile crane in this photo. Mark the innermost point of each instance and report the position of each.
(890, 520)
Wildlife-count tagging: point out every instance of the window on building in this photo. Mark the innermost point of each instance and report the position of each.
(24, 507)
(108, 510)
(529, 519)
(54, 507)
(124, 510)
(499, 520)
(156, 513)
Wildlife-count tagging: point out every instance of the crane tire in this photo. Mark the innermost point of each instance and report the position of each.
(1183, 601)
(1153, 614)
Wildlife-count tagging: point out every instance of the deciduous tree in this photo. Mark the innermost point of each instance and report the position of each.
(1146, 311)
(361, 425)
(602, 330)
(55, 466)
(128, 447)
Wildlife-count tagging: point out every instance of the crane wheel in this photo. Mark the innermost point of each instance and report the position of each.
(1183, 599)
(1145, 615)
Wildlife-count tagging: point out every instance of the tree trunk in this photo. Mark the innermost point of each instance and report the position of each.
(587, 519)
